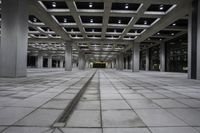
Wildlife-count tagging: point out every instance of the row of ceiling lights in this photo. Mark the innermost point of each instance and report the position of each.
(171, 34)
(91, 5)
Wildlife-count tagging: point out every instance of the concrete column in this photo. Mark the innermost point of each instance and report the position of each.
(108, 64)
(61, 63)
(74, 64)
(127, 62)
(194, 42)
(136, 57)
(87, 64)
(131, 64)
(81, 60)
(113, 64)
(121, 62)
(68, 57)
(198, 42)
(40, 61)
(49, 61)
(162, 57)
(117, 62)
(147, 60)
(56, 63)
(14, 38)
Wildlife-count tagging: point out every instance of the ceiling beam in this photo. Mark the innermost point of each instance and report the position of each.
(37, 10)
(180, 11)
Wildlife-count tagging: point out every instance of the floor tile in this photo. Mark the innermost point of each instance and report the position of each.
(56, 104)
(173, 130)
(88, 105)
(110, 96)
(10, 115)
(190, 102)
(26, 130)
(114, 104)
(142, 104)
(159, 117)
(190, 116)
(81, 130)
(169, 103)
(121, 118)
(154, 95)
(125, 130)
(133, 96)
(41, 117)
(84, 118)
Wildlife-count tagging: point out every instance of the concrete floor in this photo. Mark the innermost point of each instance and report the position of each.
(114, 102)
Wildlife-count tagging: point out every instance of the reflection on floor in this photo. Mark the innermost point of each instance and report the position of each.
(114, 102)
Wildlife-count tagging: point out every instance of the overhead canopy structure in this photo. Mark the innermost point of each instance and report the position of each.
(103, 29)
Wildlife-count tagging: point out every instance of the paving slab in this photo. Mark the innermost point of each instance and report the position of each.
(159, 117)
(81, 130)
(94, 105)
(114, 104)
(142, 104)
(121, 118)
(84, 118)
(125, 130)
(173, 130)
(40, 117)
(10, 115)
(26, 130)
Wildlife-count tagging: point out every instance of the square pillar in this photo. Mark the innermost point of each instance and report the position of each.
(136, 57)
(117, 62)
(40, 61)
(49, 61)
(14, 38)
(81, 60)
(162, 57)
(68, 57)
(194, 41)
(57, 63)
(121, 62)
(147, 60)
(113, 64)
(127, 62)
(87, 64)
(61, 63)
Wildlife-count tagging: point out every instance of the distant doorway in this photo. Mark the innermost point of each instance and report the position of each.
(99, 65)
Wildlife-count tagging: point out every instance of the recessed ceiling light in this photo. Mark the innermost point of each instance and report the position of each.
(34, 19)
(174, 24)
(158, 33)
(172, 34)
(161, 7)
(160, 39)
(91, 20)
(126, 6)
(65, 20)
(145, 22)
(90, 5)
(53, 4)
(119, 21)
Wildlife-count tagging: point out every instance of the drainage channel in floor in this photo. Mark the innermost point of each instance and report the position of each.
(85, 107)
